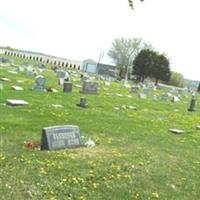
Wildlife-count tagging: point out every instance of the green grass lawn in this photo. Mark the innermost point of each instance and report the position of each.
(136, 157)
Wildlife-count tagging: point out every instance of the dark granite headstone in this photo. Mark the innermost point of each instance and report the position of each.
(60, 137)
(83, 102)
(134, 89)
(89, 87)
(67, 87)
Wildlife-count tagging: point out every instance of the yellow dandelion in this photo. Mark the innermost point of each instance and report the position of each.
(155, 195)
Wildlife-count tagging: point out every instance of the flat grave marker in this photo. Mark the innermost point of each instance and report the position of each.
(15, 87)
(176, 131)
(198, 127)
(5, 79)
(16, 102)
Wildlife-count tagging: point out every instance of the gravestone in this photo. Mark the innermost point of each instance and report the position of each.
(5, 79)
(175, 99)
(164, 97)
(61, 74)
(107, 83)
(198, 127)
(61, 81)
(142, 96)
(60, 137)
(12, 72)
(16, 102)
(155, 97)
(83, 102)
(90, 87)
(134, 89)
(84, 78)
(21, 69)
(67, 86)
(41, 66)
(15, 87)
(40, 83)
(176, 131)
(192, 104)
(29, 71)
(146, 91)
(20, 81)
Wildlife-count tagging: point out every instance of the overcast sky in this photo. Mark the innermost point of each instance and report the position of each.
(79, 29)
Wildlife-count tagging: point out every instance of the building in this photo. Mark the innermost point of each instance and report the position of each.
(43, 58)
(90, 66)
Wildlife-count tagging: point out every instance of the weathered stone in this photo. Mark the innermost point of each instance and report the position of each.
(60, 137)
(16, 102)
(67, 86)
(15, 87)
(177, 131)
(40, 83)
(90, 87)
(83, 102)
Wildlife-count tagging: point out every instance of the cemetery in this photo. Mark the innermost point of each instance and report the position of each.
(94, 138)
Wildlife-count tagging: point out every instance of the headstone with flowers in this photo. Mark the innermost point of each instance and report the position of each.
(60, 137)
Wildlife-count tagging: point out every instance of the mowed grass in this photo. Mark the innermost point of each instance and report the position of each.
(136, 157)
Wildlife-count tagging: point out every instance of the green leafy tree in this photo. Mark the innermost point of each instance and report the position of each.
(149, 63)
(124, 50)
(160, 69)
(177, 79)
(198, 89)
(142, 64)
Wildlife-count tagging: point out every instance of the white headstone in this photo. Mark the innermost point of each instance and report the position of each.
(142, 96)
(175, 99)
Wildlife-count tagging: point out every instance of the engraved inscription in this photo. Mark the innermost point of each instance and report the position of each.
(59, 137)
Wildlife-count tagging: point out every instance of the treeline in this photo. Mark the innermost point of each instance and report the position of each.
(135, 57)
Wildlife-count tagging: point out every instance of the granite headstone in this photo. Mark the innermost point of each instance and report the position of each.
(60, 137)
(40, 83)
(90, 87)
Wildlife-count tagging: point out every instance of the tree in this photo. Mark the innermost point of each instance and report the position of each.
(177, 79)
(131, 3)
(124, 50)
(142, 64)
(149, 63)
(198, 89)
(160, 69)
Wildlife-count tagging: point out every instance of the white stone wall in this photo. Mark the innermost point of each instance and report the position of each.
(62, 62)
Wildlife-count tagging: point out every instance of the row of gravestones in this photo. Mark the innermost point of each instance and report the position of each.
(164, 97)
(87, 88)
(92, 88)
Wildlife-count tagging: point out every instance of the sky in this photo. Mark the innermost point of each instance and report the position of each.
(81, 29)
